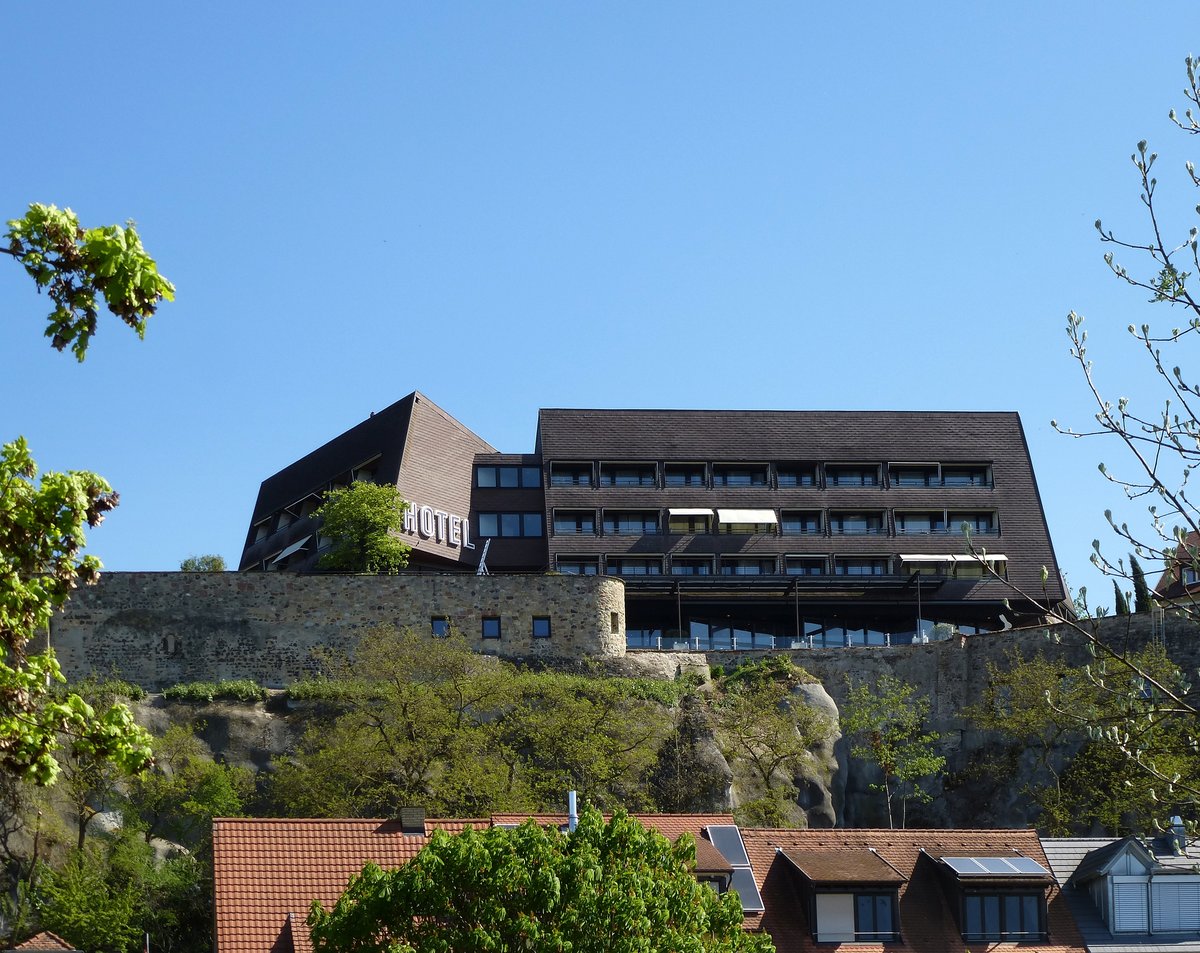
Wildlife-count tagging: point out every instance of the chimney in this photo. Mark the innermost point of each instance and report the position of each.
(1178, 839)
(572, 812)
(412, 821)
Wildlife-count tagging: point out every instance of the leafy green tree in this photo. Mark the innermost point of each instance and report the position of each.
(208, 563)
(767, 731)
(612, 887)
(1142, 601)
(363, 521)
(887, 724)
(76, 267)
(80, 903)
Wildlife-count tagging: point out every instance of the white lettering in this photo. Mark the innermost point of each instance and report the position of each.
(467, 544)
(441, 516)
(456, 524)
(426, 521)
(439, 525)
(410, 520)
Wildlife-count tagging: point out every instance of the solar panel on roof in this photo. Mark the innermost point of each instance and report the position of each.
(743, 883)
(1015, 866)
(1027, 865)
(728, 840)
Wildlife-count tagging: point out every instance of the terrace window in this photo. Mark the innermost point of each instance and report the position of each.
(860, 566)
(628, 474)
(741, 475)
(688, 522)
(570, 474)
(507, 477)
(914, 474)
(922, 523)
(574, 522)
(746, 522)
(967, 475)
(800, 522)
(578, 567)
(685, 474)
(804, 565)
(747, 567)
(681, 566)
(855, 475)
(978, 523)
(857, 524)
(631, 523)
(788, 475)
(625, 566)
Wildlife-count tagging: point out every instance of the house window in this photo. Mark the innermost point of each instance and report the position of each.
(856, 524)
(860, 566)
(789, 475)
(967, 475)
(1189, 575)
(570, 474)
(681, 566)
(923, 523)
(510, 524)
(840, 475)
(630, 523)
(508, 477)
(726, 475)
(1003, 916)
(439, 625)
(800, 522)
(578, 567)
(541, 627)
(628, 474)
(874, 917)
(804, 565)
(747, 567)
(687, 525)
(685, 474)
(634, 567)
(491, 627)
(574, 522)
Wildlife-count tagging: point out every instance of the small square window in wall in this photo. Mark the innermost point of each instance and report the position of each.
(541, 626)
(614, 623)
(491, 627)
(440, 626)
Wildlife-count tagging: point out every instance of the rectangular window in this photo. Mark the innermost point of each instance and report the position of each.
(789, 475)
(541, 627)
(860, 566)
(1189, 576)
(631, 522)
(579, 567)
(439, 625)
(628, 474)
(979, 523)
(975, 474)
(685, 474)
(800, 522)
(570, 474)
(574, 522)
(747, 567)
(510, 524)
(855, 475)
(681, 566)
(1003, 916)
(491, 627)
(634, 567)
(687, 525)
(857, 524)
(920, 523)
(804, 565)
(914, 474)
(873, 917)
(728, 475)
(507, 477)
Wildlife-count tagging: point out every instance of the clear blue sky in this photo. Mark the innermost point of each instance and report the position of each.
(509, 206)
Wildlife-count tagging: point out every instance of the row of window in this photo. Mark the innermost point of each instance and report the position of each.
(724, 635)
(791, 523)
(949, 566)
(779, 475)
(873, 917)
(491, 626)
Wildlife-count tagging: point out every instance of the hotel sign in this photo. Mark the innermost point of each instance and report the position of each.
(438, 525)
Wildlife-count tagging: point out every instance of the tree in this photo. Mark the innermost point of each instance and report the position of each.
(613, 887)
(362, 521)
(42, 525)
(888, 725)
(77, 266)
(1142, 602)
(209, 563)
(1120, 600)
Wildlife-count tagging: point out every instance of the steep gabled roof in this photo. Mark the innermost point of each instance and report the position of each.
(46, 941)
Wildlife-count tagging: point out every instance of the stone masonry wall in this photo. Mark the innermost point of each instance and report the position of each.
(161, 628)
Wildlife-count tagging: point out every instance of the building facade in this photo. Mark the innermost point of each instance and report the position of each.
(731, 529)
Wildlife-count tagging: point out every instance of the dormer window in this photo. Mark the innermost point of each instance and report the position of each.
(852, 895)
(1000, 898)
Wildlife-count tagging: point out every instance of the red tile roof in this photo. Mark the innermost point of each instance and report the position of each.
(927, 922)
(268, 872)
(45, 941)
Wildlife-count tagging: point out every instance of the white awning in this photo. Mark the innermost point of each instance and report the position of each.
(948, 558)
(294, 548)
(746, 516)
(689, 511)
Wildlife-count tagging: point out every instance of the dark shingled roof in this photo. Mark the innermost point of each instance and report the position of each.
(851, 865)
